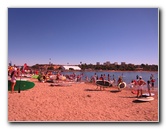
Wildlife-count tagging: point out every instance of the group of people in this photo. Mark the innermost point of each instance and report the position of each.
(102, 77)
(139, 83)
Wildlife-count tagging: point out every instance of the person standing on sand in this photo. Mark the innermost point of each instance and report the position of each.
(13, 80)
(133, 85)
(119, 81)
(95, 78)
(104, 77)
(152, 81)
(140, 83)
(101, 77)
(109, 77)
(114, 80)
(148, 86)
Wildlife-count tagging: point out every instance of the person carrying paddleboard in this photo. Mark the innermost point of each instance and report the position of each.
(119, 81)
(140, 84)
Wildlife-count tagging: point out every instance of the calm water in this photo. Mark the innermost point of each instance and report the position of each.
(127, 76)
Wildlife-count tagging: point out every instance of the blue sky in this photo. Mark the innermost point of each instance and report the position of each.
(87, 35)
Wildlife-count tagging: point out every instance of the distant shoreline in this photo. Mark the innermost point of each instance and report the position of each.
(113, 71)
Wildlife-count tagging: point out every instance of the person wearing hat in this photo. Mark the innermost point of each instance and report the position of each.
(140, 84)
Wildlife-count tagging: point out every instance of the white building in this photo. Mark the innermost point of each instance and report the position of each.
(67, 67)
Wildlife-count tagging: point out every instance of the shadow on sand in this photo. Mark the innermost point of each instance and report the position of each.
(137, 101)
(92, 90)
(115, 91)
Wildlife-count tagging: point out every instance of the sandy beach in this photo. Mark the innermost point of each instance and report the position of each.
(79, 102)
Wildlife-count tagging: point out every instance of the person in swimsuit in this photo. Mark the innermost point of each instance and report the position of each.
(148, 86)
(140, 83)
(13, 80)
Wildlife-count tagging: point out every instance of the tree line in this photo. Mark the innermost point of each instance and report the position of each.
(124, 67)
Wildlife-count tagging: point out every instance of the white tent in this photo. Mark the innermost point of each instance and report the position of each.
(67, 67)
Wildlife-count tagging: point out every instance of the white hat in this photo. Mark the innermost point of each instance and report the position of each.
(140, 76)
(15, 69)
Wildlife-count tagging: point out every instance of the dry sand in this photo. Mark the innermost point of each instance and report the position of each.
(79, 103)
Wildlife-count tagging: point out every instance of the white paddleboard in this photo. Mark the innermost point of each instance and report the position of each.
(103, 83)
(145, 99)
(147, 94)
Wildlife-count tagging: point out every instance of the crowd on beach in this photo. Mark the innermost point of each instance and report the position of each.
(136, 85)
(80, 101)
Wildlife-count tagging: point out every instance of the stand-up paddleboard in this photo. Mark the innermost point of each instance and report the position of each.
(24, 85)
(122, 85)
(147, 94)
(103, 83)
(145, 99)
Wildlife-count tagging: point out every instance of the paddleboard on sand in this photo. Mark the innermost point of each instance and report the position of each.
(147, 94)
(145, 99)
(103, 83)
(122, 85)
(24, 85)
